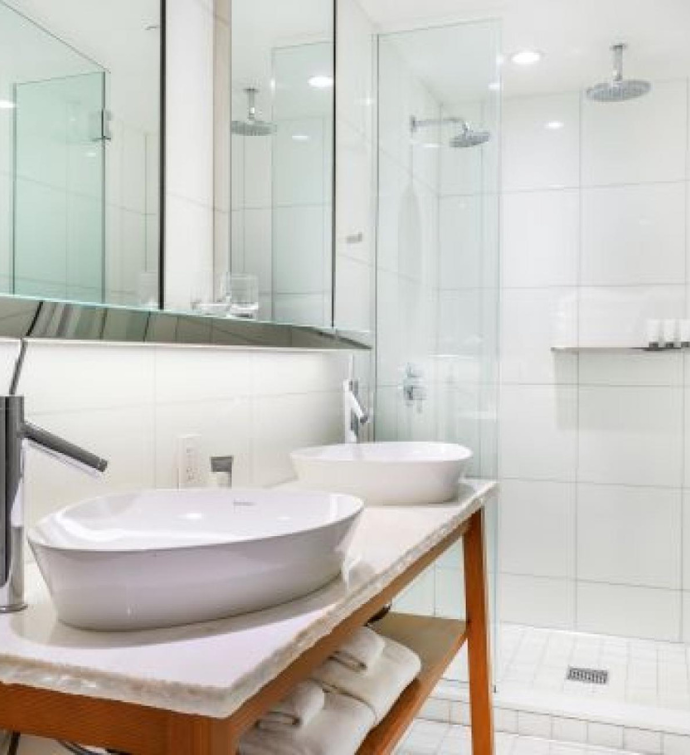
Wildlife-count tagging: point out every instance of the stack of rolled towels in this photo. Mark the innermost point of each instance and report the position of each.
(332, 712)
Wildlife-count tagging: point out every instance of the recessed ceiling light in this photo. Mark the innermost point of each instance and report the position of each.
(554, 125)
(321, 82)
(526, 57)
(301, 137)
(7, 105)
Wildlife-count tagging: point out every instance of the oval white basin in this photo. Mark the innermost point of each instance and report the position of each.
(159, 558)
(385, 473)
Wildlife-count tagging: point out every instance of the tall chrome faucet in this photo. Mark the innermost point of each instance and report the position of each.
(15, 433)
(356, 416)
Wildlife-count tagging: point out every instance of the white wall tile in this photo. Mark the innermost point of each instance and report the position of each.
(298, 250)
(617, 315)
(628, 611)
(686, 616)
(643, 740)
(535, 157)
(258, 161)
(537, 528)
(633, 235)
(60, 378)
(537, 432)
(631, 369)
(629, 535)
(616, 144)
(354, 70)
(540, 235)
(605, 735)
(532, 321)
(277, 373)
(284, 423)
(631, 436)
(258, 246)
(537, 601)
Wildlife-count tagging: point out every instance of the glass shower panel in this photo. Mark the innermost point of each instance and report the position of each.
(437, 263)
(59, 172)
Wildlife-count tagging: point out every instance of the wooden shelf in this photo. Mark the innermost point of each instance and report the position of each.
(437, 642)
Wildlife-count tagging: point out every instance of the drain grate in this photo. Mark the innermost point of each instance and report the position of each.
(587, 675)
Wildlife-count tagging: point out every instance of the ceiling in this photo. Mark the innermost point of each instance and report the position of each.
(574, 35)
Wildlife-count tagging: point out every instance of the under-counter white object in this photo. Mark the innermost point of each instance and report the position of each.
(339, 729)
(298, 709)
(159, 558)
(178, 669)
(380, 686)
(361, 651)
(395, 473)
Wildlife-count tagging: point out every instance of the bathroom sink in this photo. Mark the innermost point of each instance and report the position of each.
(158, 558)
(385, 473)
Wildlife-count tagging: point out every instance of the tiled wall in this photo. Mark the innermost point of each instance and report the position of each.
(130, 403)
(595, 528)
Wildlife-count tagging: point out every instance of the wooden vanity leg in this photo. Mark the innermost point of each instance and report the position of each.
(191, 735)
(478, 637)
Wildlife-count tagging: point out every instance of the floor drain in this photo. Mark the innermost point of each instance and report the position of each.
(587, 675)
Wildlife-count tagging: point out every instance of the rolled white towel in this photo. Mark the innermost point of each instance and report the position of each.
(297, 709)
(339, 729)
(381, 685)
(361, 651)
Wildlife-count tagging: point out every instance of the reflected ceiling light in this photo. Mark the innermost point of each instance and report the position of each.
(526, 57)
(495, 86)
(321, 82)
(431, 145)
(300, 137)
(554, 125)
(7, 105)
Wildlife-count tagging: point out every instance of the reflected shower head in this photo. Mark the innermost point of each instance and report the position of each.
(253, 126)
(618, 89)
(469, 137)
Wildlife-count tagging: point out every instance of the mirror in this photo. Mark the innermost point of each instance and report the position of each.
(281, 100)
(79, 150)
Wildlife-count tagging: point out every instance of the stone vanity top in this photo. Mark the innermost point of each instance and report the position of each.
(212, 668)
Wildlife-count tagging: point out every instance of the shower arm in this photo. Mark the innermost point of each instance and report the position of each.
(417, 123)
(618, 51)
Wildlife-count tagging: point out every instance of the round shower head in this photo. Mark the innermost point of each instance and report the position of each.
(253, 126)
(468, 137)
(618, 89)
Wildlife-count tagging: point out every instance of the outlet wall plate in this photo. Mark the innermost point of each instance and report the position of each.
(189, 473)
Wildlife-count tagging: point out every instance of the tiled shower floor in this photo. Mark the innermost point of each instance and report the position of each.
(641, 672)
(430, 738)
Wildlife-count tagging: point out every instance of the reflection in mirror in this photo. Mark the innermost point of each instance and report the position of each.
(282, 103)
(79, 150)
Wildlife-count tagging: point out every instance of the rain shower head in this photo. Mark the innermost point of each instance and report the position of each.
(468, 137)
(618, 89)
(252, 126)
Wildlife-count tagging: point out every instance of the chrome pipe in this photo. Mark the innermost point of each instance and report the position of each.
(15, 433)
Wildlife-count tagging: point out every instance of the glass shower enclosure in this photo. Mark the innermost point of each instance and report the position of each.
(437, 263)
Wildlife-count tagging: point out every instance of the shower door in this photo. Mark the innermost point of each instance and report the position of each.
(59, 193)
(437, 264)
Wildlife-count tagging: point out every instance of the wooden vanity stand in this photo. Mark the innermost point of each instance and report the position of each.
(141, 730)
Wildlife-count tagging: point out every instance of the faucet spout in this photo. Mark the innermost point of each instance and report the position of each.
(14, 432)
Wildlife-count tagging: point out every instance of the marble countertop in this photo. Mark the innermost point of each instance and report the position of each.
(212, 668)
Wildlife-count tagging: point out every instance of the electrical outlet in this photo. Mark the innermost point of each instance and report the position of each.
(188, 461)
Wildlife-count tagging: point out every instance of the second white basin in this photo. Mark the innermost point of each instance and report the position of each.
(163, 557)
(401, 473)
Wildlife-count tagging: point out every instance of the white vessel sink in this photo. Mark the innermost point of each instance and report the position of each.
(385, 473)
(164, 557)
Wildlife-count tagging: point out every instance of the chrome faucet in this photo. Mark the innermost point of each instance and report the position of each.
(356, 416)
(15, 433)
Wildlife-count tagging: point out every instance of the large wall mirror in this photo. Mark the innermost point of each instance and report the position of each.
(282, 157)
(79, 150)
(170, 154)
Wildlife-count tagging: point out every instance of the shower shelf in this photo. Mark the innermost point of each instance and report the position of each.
(613, 350)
